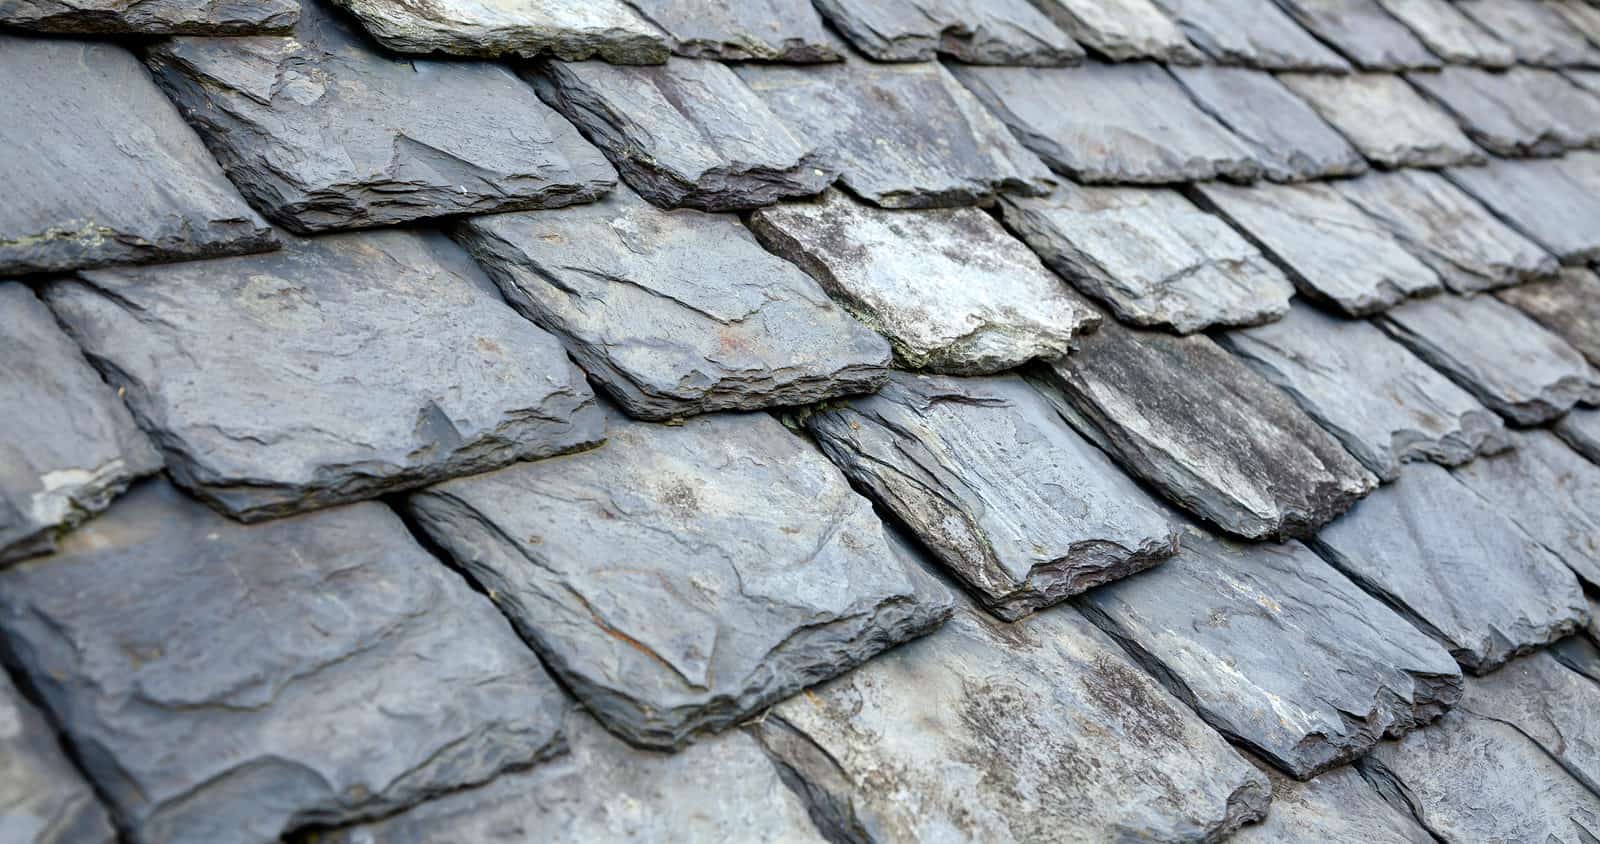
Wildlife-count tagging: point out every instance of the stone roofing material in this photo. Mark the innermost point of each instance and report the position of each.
(977, 31)
(1535, 30)
(43, 798)
(1285, 135)
(1363, 31)
(1451, 35)
(1551, 201)
(338, 369)
(1521, 111)
(1018, 506)
(1122, 30)
(573, 30)
(1254, 33)
(1568, 305)
(1580, 430)
(1552, 705)
(1152, 256)
(1338, 805)
(951, 291)
(734, 30)
(681, 579)
(1550, 492)
(1386, 119)
(151, 17)
(1579, 15)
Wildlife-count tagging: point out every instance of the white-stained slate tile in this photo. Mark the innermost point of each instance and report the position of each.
(43, 797)
(1517, 112)
(1549, 200)
(1338, 805)
(574, 30)
(1551, 492)
(1535, 30)
(150, 17)
(1122, 30)
(976, 31)
(1287, 137)
(742, 30)
(1254, 33)
(1386, 119)
(1451, 35)
(1568, 305)
(1363, 31)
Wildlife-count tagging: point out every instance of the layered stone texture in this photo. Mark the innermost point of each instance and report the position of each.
(1555, 707)
(742, 30)
(151, 17)
(1580, 430)
(1550, 492)
(1122, 30)
(1365, 33)
(1336, 805)
(1568, 305)
(43, 798)
(1254, 33)
(1449, 33)
(574, 30)
(1536, 32)
(1285, 135)
(1517, 112)
(1386, 119)
(1553, 202)
(1006, 32)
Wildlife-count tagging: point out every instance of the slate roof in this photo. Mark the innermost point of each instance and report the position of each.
(862, 420)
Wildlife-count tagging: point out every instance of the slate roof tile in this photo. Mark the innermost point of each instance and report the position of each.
(1535, 31)
(977, 31)
(1550, 493)
(1580, 430)
(1553, 706)
(151, 17)
(1285, 135)
(1568, 305)
(1366, 34)
(754, 30)
(43, 798)
(573, 30)
(1551, 201)
(1254, 33)
(1580, 15)
(1122, 30)
(1521, 111)
(1337, 805)
(1386, 119)
(1449, 33)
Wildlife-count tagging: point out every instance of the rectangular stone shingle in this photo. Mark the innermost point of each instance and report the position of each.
(43, 798)
(1550, 492)
(1122, 30)
(976, 31)
(573, 30)
(1254, 33)
(1535, 31)
(1363, 32)
(1287, 137)
(151, 17)
(1450, 34)
(1521, 111)
(1548, 200)
(1568, 305)
(744, 30)
(1386, 119)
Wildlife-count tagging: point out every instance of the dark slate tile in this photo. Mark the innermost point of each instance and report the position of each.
(1254, 33)
(1332, 251)
(687, 133)
(323, 132)
(676, 313)
(901, 136)
(572, 30)
(1285, 135)
(1580, 430)
(1547, 200)
(1521, 371)
(1386, 119)
(1338, 805)
(1277, 650)
(742, 30)
(100, 168)
(69, 446)
(1363, 31)
(1451, 35)
(1427, 544)
(988, 32)
(1382, 402)
(986, 731)
(1554, 706)
(1448, 230)
(1112, 123)
(1568, 305)
(1016, 505)
(683, 578)
(1521, 111)
(1550, 492)
(43, 798)
(151, 17)
(1207, 432)
(949, 288)
(234, 682)
(1535, 30)
(1580, 653)
(1122, 30)
(1152, 256)
(341, 368)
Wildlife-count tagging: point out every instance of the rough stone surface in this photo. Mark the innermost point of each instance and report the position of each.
(1205, 431)
(1255, 33)
(1451, 35)
(1448, 230)
(323, 132)
(1386, 119)
(1536, 32)
(1556, 707)
(338, 369)
(1015, 504)
(900, 136)
(1338, 805)
(1286, 136)
(949, 288)
(681, 579)
(1333, 251)
(71, 446)
(573, 30)
(235, 682)
(742, 30)
(43, 798)
(1277, 650)
(151, 17)
(1580, 429)
(1361, 30)
(1521, 111)
(1383, 403)
(976, 31)
(1580, 15)
(1122, 30)
(1579, 653)
(1550, 492)
(1568, 305)
(676, 313)
(99, 168)
(995, 732)
(1152, 256)
(1428, 545)
(1112, 123)
(1521, 371)
(1547, 200)
(685, 133)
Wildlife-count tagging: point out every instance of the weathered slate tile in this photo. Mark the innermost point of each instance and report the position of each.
(1554, 706)
(976, 31)
(1451, 35)
(746, 30)
(1363, 32)
(1015, 504)
(1580, 430)
(1428, 544)
(1152, 256)
(1512, 364)
(1568, 305)
(1254, 33)
(1386, 119)
(901, 135)
(43, 798)
(1448, 230)
(1580, 16)
(1535, 31)
(1544, 199)
(1580, 653)
(1332, 251)
(1286, 136)
(99, 168)
(573, 30)
(682, 579)
(1521, 111)
(1337, 805)
(323, 132)
(1550, 492)
(1382, 402)
(949, 288)
(70, 446)
(1122, 30)
(686, 133)
(999, 732)
(676, 313)
(235, 682)
(151, 17)
(1112, 123)
(1277, 650)
(1206, 432)
(392, 363)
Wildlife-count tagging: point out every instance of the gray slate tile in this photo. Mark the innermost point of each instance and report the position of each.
(676, 313)
(900, 136)
(151, 17)
(1208, 433)
(1016, 505)
(742, 30)
(1112, 123)
(687, 133)
(1427, 544)
(43, 798)
(1386, 119)
(949, 288)
(323, 132)
(100, 169)
(1580, 653)
(1549, 703)
(1568, 305)
(977, 31)
(1277, 650)
(1580, 430)
(235, 682)
(341, 368)
(573, 30)
(69, 446)
(1285, 135)
(986, 731)
(1338, 805)
(1521, 111)
(682, 579)
(1580, 15)
(1152, 256)
(1547, 200)
(1122, 30)
(1550, 492)
(1363, 31)
(1536, 32)
(1254, 33)
(1451, 35)
(1382, 402)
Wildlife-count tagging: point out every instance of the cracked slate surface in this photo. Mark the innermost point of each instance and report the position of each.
(1254, 33)
(573, 30)
(742, 30)
(1555, 707)
(1388, 120)
(978, 31)
(340, 368)
(151, 17)
(1550, 201)
(1451, 35)
(43, 798)
(1550, 492)
(1286, 136)
(1338, 805)
(1516, 112)
(1122, 30)
(1363, 31)
(1568, 305)
(1535, 31)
